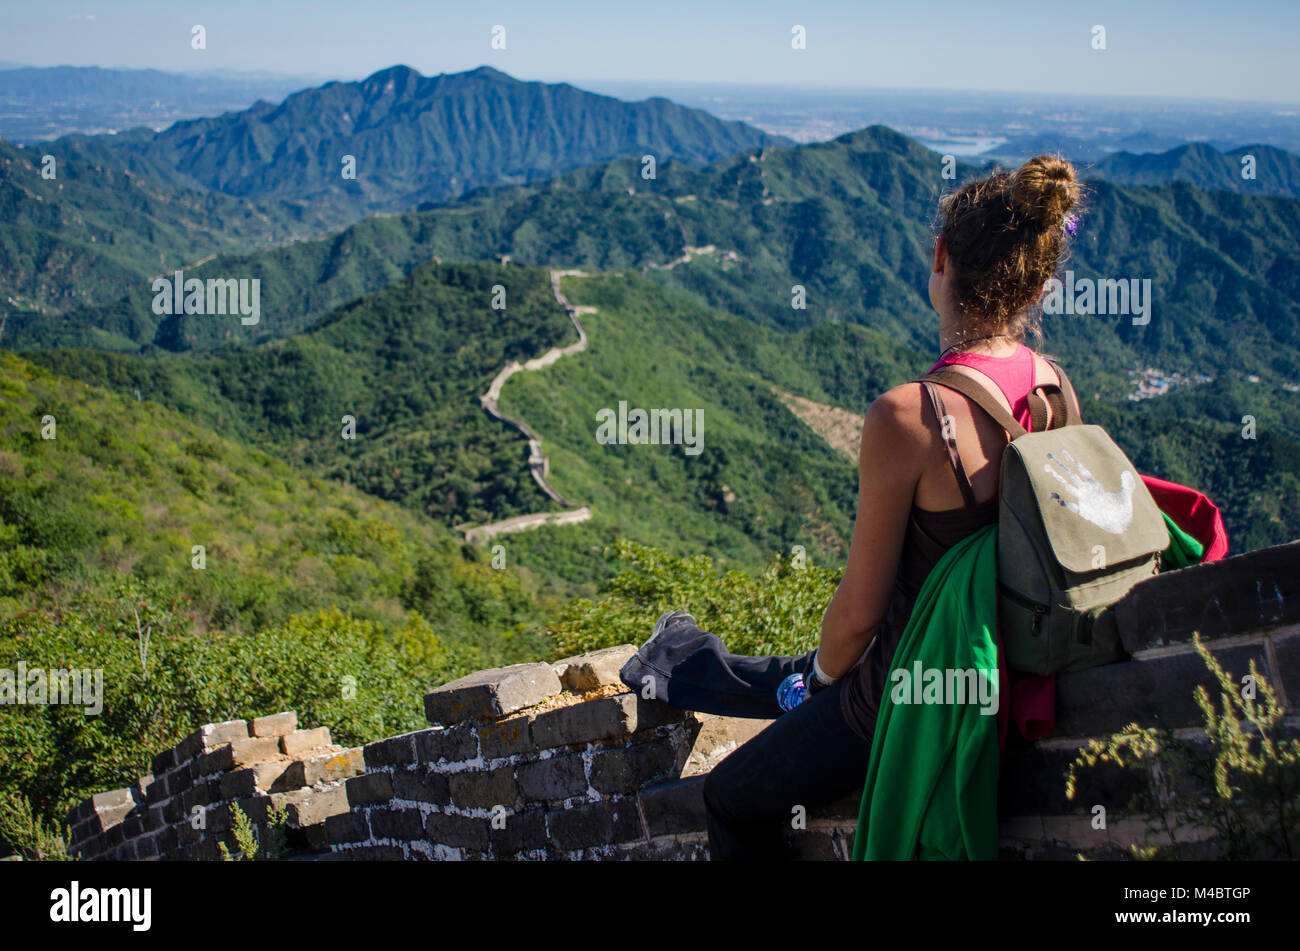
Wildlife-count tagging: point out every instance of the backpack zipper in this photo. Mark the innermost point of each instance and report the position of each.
(1040, 610)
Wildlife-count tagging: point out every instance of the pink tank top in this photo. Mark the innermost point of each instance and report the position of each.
(1014, 376)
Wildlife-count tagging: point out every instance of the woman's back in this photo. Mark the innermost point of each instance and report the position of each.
(943, 512)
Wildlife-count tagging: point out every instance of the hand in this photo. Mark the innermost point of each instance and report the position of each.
(1110, 511)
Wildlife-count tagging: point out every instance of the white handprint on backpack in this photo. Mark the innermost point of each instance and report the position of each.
(1110, 511)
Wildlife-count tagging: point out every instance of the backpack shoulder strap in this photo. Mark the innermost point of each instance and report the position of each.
(955, 380)
(950, 443)
(1073, 410)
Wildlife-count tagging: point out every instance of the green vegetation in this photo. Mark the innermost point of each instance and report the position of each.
(249, 838)
(409, 363)
(30, 836)
(161, 679)
(1241, 783)
(95, 232)
(776, 612)
(128, 488)
(312, 596)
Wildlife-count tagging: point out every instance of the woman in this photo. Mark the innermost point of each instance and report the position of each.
(928, 474)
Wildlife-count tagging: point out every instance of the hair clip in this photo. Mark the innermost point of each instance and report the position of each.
(1070, 225)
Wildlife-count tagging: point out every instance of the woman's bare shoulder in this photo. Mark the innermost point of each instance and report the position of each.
(896, 417)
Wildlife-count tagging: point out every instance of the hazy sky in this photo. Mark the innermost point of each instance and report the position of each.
(1200, 49)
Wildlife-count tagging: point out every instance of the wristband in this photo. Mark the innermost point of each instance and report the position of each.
(821, 674)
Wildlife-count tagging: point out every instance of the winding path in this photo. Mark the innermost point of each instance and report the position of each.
(538, 464)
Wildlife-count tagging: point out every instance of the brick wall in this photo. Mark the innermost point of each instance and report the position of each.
(559, 761)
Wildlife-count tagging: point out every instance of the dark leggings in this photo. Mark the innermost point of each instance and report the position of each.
(808, 757)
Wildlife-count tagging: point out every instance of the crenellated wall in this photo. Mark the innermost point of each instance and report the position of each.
(561, 761)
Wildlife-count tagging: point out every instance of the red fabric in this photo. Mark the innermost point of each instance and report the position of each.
(1013, 374)
(1032, 697)
(1193, 513)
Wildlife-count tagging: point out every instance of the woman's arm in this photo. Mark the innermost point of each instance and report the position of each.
(890, 462)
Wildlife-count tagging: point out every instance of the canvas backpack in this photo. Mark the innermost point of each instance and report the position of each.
(1077, 529)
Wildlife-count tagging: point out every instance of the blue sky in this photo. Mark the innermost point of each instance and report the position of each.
(1193, 48)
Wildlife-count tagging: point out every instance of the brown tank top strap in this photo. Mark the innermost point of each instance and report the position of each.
(950, 442)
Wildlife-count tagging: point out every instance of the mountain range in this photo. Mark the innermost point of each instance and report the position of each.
(796, 247)
(398, 138)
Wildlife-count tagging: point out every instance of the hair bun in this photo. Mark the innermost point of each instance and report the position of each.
(1044, 190)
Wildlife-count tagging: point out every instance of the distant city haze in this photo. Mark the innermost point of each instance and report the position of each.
(1192, 49)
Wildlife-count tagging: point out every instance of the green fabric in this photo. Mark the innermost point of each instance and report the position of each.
(1183, 549)
(941, 759)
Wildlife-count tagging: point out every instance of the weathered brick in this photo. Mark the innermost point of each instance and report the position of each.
(81, 831)
(174, 810)
(1287, 650)
(188, 748)
(158, 791)
(595, 823)
(505, 737)
(111, 800)
(241, 782)
(454, 744)
(133, 824)
(212, 735)
(521, 832)
(183, 776)
(489, 694)
(367, 853)
(394, 751)
(347, 827)
(201, 794)
(255, 807)
(674, 808)
(593, 670)
(420, 786)
(254, 750)
(277, 724)
(405, 824)
(599, 719)
(1154, 692)
(168, 840)
(163, 762)
(304, 741)
(325, 768)
(147, 846)
(483, 789)
(713, 738)
(318, 806)
(626, 770)
(814, 844)
(372, 787)
(111, 810)
(89, 847)
(459, 832)
(560, 777)
(80, 812)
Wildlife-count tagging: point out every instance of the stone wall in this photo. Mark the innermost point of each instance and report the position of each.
(560, 761)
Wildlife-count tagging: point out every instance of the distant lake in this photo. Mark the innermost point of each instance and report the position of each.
(962, 146)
